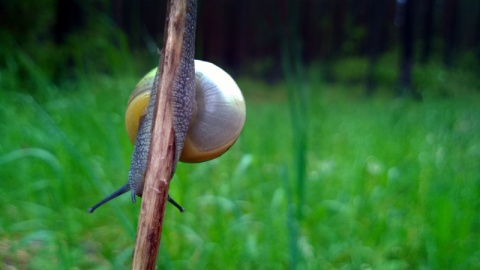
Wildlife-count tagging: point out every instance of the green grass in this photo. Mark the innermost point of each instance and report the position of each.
(390, 183)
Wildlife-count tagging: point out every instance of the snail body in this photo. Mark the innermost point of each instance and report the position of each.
(214, 113)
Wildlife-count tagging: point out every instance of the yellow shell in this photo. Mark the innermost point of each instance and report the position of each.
(137, 104)
(218, 120)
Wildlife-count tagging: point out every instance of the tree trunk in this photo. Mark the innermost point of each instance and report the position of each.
(450, 34)
(375, 38)
(405, 19)
(69, 18)
(427, 32)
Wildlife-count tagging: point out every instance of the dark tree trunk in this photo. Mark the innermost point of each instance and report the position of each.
(69, 18)
(405, 19)
(213, 31)
(138, 20)
(149, 29)
(126, 15)
(450, 25)
(476, 38)
(310, 29)
(427, 33)
(238, 41)
(376, 26)
(338, 26)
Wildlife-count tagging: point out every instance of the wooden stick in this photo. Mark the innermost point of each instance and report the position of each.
(161, 158)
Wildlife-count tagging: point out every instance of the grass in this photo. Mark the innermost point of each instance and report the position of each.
(390, 183)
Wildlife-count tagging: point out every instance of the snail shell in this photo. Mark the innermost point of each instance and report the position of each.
(218, 118)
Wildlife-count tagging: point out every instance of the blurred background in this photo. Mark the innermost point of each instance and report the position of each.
(360, 148)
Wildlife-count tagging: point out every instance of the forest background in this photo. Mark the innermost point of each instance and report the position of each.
(360, 148)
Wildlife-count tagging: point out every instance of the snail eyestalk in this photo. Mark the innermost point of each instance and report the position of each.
(115, 194)
(178, 206)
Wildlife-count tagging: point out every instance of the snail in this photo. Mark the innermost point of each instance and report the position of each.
(216, 118)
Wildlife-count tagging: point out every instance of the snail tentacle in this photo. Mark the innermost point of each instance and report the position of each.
(125, 188)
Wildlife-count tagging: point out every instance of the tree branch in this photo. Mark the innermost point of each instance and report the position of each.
(161, 162)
